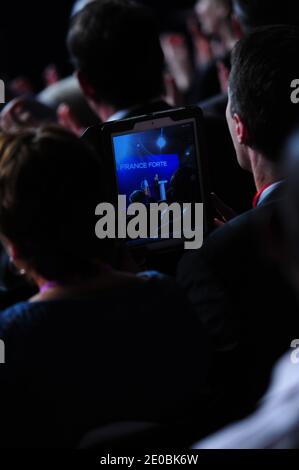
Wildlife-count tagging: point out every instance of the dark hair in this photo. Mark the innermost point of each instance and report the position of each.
(264, 64)
(50, 185)
(256, 13)
(115, 43)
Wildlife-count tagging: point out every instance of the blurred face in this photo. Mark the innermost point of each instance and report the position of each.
(238, 133)
(211, 14)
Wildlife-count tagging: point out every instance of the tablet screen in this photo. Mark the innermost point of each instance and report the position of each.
(158, 165)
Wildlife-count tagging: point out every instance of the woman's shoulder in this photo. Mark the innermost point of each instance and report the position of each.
(156, 292)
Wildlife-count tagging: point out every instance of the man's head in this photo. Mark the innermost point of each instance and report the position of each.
(260, 113)
(115, 48)
(252, 14)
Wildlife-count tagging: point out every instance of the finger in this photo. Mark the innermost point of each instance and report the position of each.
(226, 212)
(218, 223)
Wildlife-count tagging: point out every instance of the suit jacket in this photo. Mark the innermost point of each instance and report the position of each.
(245, 302)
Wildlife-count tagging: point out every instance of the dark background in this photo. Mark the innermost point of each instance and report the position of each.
(32, 34)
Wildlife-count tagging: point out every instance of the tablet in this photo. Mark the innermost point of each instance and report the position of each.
(159, 159)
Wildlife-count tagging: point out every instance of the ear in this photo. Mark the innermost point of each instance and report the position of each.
(241, 130)
(85, 85)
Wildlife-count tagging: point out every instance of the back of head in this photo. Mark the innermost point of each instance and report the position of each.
(115, 44)
(50, 185)
(67, 91)
(263, 66)
(255, 13)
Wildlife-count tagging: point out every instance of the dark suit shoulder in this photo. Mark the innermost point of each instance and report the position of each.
(240, 235)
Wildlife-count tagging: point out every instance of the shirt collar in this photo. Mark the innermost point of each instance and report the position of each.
(266, 193)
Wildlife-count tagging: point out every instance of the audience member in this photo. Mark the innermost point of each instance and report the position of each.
(276, 424)
(237, 289)
(21, 113)
(119, 75)
(67, 100)
(215, 21)
(17, 115)
(94, 346)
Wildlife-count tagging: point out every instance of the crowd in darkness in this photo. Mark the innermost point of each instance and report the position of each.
(108, 350)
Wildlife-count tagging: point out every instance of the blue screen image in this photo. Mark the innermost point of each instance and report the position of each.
(147, 162)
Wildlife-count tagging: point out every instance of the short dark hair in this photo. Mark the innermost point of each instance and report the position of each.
(256, 13)
(264, 63)
(116, 44)
(50, 185)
